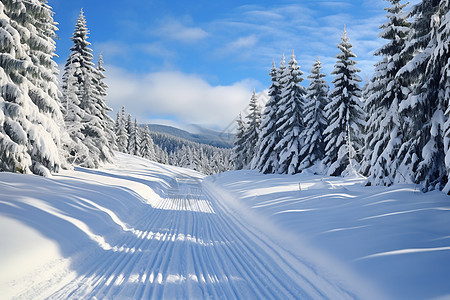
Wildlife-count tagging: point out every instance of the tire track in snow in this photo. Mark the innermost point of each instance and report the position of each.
(191, 246)
(312, 284)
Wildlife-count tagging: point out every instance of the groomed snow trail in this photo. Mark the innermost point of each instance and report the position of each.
(189, 245)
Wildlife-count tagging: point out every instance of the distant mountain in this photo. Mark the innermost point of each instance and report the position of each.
(198, 134)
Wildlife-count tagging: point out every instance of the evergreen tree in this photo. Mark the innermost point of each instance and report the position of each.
(386, 91)
(121, 132)
(344, 114)
(240, 152)
(79, 81)
(266, 159)
(102, 109)
(290, 119)
(421, 155)
(14, 156)
(315, 119)
(251, 134)
(147, 146)
(74, 115)
(135, 140)
(161, 155)
(444, 45)
(116, 127)
(129, 128)
(30, 115)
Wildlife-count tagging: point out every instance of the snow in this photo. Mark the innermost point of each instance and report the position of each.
(396, 238)
(138, 229)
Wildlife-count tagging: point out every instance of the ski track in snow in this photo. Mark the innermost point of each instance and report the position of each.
(189, 245)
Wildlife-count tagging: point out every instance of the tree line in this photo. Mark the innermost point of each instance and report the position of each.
(396, 129)
(44, 128)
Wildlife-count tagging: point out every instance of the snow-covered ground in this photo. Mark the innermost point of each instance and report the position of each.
(137, 229)
(397, 238)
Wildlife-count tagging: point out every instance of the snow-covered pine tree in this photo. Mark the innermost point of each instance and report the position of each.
(78, 152)
(172, 159)
(117, 126)
(184, 156)
(135, 140)
(14, 155)
(147, 145)
(432, 170)
(100, 95)
(251, 133)
(345, 115)
(121, 131)
(444, 45)
(422, 156)
(161, 155)
(30, 115)
(129, 128)
(44, 93)
(290, 119)
(80, 67)
(266, 159)
(239, 151)
(315, 120)
(385, 91)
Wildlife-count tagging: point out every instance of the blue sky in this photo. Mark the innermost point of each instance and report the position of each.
(199, 61)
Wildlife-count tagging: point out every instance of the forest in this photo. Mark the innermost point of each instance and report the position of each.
(395, 129)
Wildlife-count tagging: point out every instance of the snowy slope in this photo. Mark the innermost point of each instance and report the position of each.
(138, 229)
(142, 230)
(397, 238)
(197, 134)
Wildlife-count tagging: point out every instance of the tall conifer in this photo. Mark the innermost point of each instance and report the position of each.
(386, 90)
(315, 119)
(345, 115)
(290, 119)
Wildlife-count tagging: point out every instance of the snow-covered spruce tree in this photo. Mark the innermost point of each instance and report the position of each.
(239, 151)
(100, 95)
(30, 115)
(431, 170)
(134, 145)
(121, 131)
(129, 127)
(422, 156)
(315, 120)
(266, 159)
(78, 152)
(251, 133)
(161, 155)
(343, 136)
(14, 155)
(147, 146)
(183, 156)
(290, 119)
(80, 67)
(385, 91)
(444, 46)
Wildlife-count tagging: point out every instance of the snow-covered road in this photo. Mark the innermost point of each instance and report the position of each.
(189, 246)
(139, 230)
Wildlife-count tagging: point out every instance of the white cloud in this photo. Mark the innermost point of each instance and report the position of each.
(174, 30)
(269, 31)
(244, 42)
(242, 46)
(185, 98)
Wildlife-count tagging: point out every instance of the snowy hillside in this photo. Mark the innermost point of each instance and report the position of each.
(138, 229)
(196, 133)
